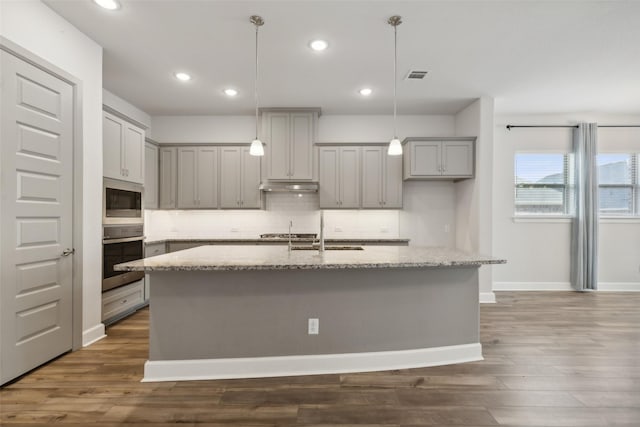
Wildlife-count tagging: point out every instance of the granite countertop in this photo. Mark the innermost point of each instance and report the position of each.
(218, 240)
(220, 258)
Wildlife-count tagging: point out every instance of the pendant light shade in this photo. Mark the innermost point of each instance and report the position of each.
(256, 149)
(395, 147)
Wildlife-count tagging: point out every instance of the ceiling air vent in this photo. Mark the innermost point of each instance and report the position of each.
(416, 75)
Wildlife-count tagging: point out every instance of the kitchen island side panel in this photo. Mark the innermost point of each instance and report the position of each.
(235, 314)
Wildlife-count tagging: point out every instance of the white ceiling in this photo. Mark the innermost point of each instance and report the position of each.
(531, 56)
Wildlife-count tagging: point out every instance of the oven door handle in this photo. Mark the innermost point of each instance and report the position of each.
(122, 240)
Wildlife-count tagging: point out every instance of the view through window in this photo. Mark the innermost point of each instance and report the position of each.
(543, 184)
(618, 184)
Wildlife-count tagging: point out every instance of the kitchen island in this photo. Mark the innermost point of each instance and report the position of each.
(249, 311)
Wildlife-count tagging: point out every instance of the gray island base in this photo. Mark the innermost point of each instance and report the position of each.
(243, 312)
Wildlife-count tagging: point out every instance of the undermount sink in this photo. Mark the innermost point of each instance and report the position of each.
(327, 248)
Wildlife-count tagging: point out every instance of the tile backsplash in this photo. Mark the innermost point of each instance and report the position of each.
(302, 209)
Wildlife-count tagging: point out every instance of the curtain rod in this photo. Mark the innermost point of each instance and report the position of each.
(509, 127)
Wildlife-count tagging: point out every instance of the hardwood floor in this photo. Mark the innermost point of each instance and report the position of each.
(551, 359)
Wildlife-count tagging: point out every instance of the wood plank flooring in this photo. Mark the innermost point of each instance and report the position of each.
(551, 359)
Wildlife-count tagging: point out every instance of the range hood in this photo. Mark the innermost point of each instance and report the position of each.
(289, 187)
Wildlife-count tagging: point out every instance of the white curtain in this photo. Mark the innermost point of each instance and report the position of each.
(584, 233)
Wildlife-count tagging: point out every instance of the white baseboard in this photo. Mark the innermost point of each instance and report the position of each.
(280, 366)
(563, 286)
(92, 335)
(619, 286)
(532, 286)
(487, 298)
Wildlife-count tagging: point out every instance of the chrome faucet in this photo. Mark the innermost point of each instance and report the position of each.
(321, 246)
(290, 225)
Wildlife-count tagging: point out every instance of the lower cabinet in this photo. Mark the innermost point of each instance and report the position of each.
(153, 249)
(120, 302)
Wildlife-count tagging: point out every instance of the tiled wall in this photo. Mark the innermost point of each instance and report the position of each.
(303, 210)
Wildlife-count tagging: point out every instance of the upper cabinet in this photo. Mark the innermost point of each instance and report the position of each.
(168, 178)
(150, 176)
(239, 178)
(197, 177)
(123, 149)
(439, 158)
(381, 179)
(289, 138)
(339, 177)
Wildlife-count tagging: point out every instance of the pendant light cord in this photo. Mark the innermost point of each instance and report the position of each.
(395, 79)
(256, 81)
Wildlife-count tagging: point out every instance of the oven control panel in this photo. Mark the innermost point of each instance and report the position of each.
(122, 231)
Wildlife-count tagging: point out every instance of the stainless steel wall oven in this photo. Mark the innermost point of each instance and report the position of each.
(121, 243)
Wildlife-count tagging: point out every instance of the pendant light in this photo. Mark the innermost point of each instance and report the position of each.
(395, 148)
(256, 148)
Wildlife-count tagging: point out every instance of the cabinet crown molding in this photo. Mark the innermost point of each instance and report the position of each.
(124, 117)
(317, 110)
(439, 138)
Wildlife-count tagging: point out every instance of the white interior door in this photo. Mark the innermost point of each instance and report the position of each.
(36, 220)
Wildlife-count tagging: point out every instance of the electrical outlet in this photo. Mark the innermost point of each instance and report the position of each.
(446, 228)
(314, 326)
(235, 230)
(384, 229)
(338, 229)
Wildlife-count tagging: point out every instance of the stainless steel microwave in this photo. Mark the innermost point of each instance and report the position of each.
(121, 202)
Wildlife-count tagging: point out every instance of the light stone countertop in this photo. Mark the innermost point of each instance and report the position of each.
(231, 240)
(221, 258)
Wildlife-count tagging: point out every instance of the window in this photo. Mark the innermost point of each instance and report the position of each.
(542, 184)
(618, 184)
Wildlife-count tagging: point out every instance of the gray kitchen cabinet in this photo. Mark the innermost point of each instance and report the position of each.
(289, 136)
(239, 178)
(123, 149)
(168, 178)
(439, 158)
(197, 177)
(153, 249)
(339, 177)
(151, 162)
(122, 301)
(381, 179)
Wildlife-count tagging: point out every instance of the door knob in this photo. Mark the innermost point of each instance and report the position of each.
(68, 252)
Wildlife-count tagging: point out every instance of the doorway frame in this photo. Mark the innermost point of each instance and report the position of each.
(77, 180)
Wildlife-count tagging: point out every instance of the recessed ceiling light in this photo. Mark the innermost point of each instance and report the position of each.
(366, 91)
(230, 92)
(319, 45)
(108, 4)
(183, 76)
